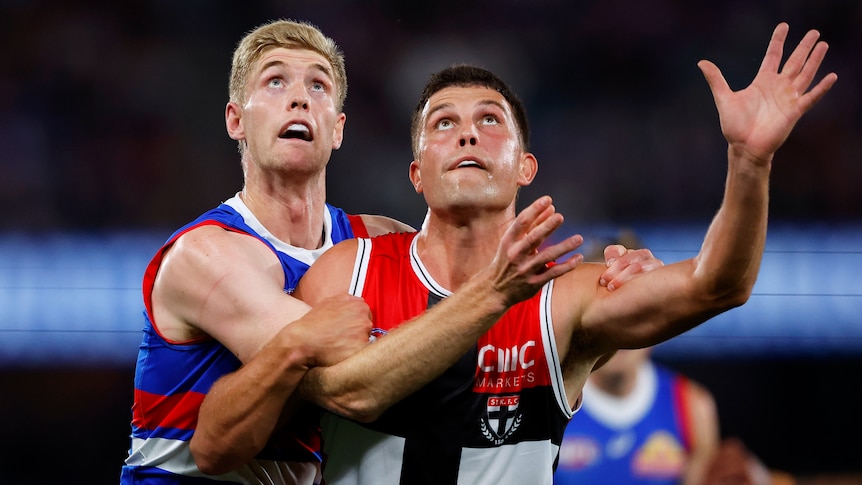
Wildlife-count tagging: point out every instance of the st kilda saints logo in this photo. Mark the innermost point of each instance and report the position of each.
(501, 418)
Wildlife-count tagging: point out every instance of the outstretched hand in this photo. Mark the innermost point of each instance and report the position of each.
(520, 268)
(758, 119)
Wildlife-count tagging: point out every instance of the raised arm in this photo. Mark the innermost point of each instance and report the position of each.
(365, 384)
(672, 299)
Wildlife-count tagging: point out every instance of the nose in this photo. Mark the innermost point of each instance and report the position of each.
(467, 137)
(299, 102)
(297, 96)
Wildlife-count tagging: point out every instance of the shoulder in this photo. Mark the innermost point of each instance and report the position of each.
(212, 244)
(697, 397)
(330, 273)
(699, 408)
(574, 291)
(208, 254)
(378, 225)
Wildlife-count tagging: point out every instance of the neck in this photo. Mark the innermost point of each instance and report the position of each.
(454, 249)
(291, 211)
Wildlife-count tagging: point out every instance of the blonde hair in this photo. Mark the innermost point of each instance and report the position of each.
(290, 35)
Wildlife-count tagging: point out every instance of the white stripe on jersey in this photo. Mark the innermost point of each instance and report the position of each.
(380, 462)
(307, 256)
(360, 266)
(555, 369)
(174, 456)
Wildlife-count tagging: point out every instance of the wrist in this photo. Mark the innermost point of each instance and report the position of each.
(486, 294)
(289, 353)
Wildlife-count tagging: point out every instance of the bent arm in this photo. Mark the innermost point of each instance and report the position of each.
(228, 286)
(243, 409)
(364, 385)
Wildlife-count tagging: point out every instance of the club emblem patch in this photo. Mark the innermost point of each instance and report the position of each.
(501, 418)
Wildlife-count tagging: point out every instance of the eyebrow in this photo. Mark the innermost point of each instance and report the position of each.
(320, 67)
(484, 102)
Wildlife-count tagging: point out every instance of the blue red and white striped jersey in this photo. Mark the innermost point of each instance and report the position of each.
(172, 378)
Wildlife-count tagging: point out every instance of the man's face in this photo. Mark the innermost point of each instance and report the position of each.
(289, 119)
(469, 151)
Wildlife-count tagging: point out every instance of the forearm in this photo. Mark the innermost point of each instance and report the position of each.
(242, 409)
(730, 257)
(367, 383)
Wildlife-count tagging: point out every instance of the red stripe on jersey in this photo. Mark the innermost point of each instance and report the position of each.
(358, 226)
(151, 411)
(680, 392)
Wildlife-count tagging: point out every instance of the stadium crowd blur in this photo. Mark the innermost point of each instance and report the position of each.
(112, 113)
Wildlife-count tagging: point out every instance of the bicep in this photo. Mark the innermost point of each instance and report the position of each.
(648, 309)
(228, 286)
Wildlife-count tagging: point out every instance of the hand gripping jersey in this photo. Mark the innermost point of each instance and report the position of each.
(496, 417)
(641, 438)
(172, 378)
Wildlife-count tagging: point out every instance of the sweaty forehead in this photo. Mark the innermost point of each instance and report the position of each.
(282, 56)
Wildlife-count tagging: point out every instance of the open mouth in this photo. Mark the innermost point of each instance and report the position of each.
(469, 163)
(296, 131)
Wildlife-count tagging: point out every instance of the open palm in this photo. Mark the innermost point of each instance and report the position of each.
(756, 120)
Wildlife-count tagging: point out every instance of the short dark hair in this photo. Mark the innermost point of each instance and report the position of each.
(464, 75)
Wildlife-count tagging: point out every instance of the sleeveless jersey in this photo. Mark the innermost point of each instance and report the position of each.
(496, 417)
(642, 438)
(172, 378)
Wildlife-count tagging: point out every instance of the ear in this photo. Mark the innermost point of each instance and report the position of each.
(338, 131)
(416, 176)
(529, 167)
(233, 121)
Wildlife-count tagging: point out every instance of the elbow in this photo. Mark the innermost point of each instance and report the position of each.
(361, 410)
(364, 416)
(732, 295)
(210, 460)
(740, 297)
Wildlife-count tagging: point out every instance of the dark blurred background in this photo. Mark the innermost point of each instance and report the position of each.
(112, 135)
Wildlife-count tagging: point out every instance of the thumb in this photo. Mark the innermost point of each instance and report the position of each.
(714, 78)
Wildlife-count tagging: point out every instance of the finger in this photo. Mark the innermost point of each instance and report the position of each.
(556, 251)
(613, 252)
(811, 98)
(625, 267)
(526, 221)
(527, 218)
(556, 270)
(717, 85)
(614, 267)
(548, 222)
(798, 57)
(775, 50)
(812, 64)
(625, 275)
